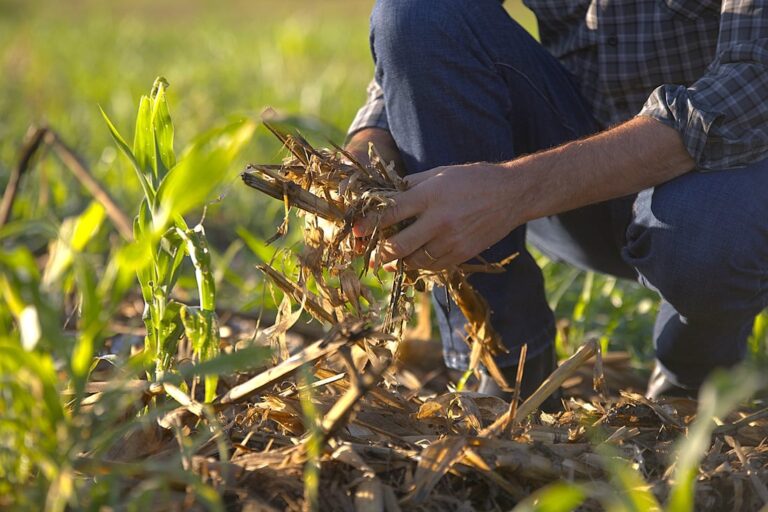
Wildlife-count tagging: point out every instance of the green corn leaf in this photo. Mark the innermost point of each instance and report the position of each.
(720, 394)
(197, 327)
(92, 313)
(169, 328)
(202, 330)
(633, 493)
(60, 254)
(585, 298)
(144, 140)
(93, 320)
(29, 327)
(759, 338)
(146, 186)
(142, 248)
(123, 265)
(74, 235)
(142, 222)
(87, 225)
(557, 497)
(211, 382)
(202, 168)
(170, 255)
(161, 119)
(267, 253)
(38, 366)
(26, 227)
(180, 223)
(314, 444)
(159, 82)
(25, 300)
(82, 355)
(33, 424)
(197, 247)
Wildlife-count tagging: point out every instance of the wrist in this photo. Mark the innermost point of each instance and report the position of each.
(520, 200)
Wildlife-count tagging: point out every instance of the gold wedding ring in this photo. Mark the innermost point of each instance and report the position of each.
(432, 258)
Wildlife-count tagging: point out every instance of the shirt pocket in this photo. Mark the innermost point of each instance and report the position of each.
(693, 9)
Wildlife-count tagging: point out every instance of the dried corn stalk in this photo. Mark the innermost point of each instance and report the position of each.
(333, 190)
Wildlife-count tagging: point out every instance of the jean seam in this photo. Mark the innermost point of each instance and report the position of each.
(494, 60)
(540, 93)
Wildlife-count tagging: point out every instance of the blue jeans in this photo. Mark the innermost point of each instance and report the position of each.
(463, 82)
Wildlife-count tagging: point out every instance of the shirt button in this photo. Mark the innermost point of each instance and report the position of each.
(612, 41)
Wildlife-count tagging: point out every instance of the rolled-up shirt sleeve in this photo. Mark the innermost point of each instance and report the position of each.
(723, 116)
(372, 114)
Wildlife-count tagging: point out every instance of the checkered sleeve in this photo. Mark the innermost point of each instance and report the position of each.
(723, 116)
(372, 114)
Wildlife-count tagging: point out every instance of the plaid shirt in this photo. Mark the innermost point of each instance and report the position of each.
(700, 66)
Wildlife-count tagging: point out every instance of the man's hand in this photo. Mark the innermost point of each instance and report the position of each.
(357, 146)
(462, 210)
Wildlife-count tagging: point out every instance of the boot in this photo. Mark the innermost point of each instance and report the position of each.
(535, 371)
(659, 386)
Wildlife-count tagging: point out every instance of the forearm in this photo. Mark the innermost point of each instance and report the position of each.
(631, 157)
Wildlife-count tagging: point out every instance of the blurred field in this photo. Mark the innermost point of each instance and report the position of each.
(61, 60)
(85, 383)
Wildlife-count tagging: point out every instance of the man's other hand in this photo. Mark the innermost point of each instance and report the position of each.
(357, 146)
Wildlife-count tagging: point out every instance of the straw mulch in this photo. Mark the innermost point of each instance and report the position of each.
(386, 434)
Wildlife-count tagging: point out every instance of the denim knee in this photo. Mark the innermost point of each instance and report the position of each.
(706, 259)
(402, 29)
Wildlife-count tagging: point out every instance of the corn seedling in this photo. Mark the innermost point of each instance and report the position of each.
(170, 190)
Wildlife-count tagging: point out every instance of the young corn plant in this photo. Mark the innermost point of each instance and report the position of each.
(49, 349)
(48, 435)
(172, 188)
(43, 426)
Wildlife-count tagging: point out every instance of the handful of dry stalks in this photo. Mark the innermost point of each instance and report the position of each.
(333, 190)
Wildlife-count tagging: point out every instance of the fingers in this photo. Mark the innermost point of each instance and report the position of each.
(422, 261)
(409, 240)
(424, 257)
(447, 261)
(406, 205)
(373, 263)
(405, 244)
(414, 179)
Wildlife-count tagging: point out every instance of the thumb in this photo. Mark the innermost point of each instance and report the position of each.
(414, 179)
